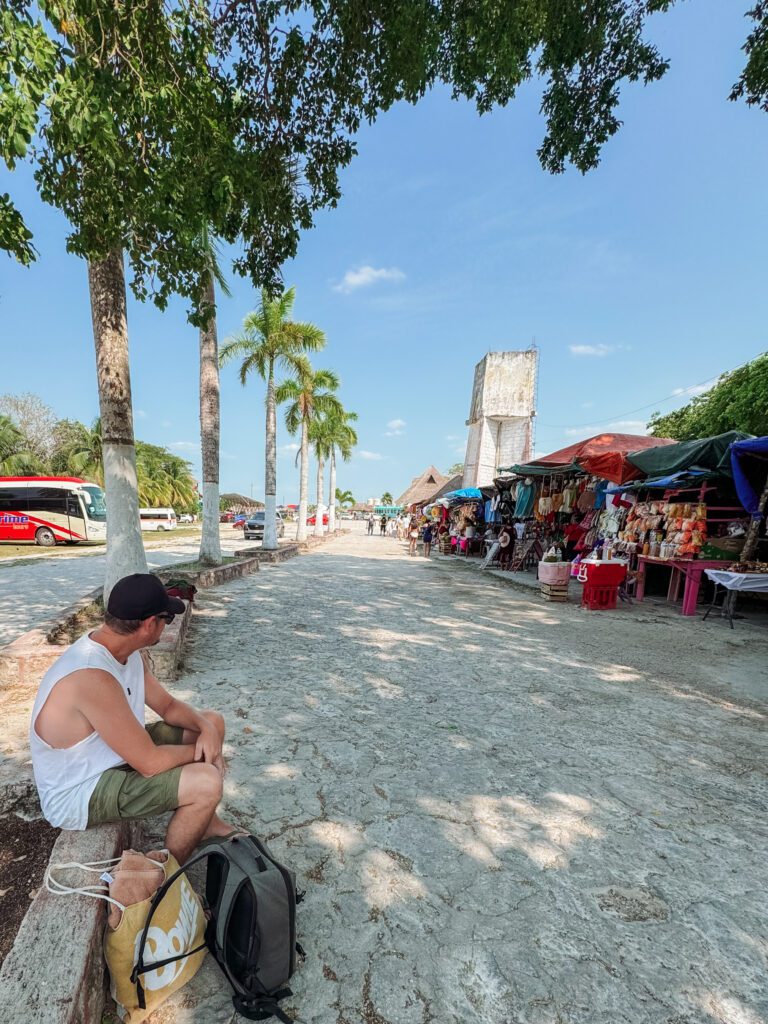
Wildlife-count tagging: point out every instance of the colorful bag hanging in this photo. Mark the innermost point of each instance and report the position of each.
(175, 946)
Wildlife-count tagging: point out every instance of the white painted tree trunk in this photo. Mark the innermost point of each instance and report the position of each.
(332, 494)
(270, 467)
(301, 529)
(125, 548)
(210, 541)
(319, 513)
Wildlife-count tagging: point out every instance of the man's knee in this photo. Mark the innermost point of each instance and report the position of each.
(217, 720)
(200, 783)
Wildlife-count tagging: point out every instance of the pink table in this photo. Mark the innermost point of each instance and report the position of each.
(691, 570)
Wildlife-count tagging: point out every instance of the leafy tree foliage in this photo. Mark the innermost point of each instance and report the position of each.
(739, 401)
(35, 419)
(753, 83)
(386, 498)
(455, 469)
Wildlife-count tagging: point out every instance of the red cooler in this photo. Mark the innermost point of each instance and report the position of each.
(601, 583)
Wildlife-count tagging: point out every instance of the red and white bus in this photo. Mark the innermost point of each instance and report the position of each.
(50, 509)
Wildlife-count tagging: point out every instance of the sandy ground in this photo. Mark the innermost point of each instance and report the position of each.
(503, 811)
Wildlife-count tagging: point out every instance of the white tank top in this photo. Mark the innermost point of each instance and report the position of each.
(66, 777)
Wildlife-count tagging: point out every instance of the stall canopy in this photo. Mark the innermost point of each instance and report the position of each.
(749, 464)
(604, 455)
(463, 494)
(709, 453)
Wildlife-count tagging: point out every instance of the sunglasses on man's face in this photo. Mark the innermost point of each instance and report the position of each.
(167, 617)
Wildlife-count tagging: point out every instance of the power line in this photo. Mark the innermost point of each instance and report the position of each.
(650, 405)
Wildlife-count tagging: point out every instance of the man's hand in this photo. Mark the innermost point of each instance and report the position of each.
(208, 746)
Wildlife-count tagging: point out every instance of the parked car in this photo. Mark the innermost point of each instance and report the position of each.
(254, 527)
(311, 520)
(239, 521)
(226, 517)
(186, 517)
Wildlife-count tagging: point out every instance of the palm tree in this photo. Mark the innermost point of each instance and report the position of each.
(125, 547)
(210, 541)
(342, 438)
(309, 394)
(15, 457)
(85, 456)
(344, 498)
(319, 437)
(269, 338)
(386, 498)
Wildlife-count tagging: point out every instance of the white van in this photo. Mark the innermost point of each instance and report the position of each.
(157, 519)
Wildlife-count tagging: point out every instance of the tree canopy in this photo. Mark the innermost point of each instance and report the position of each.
(150, 119)
(739, 401)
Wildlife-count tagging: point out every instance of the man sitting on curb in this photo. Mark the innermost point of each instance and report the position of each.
(93, 758)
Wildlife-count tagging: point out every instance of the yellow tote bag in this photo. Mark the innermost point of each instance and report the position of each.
(153, 946)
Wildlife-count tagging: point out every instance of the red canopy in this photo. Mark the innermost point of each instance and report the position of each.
(604, 455)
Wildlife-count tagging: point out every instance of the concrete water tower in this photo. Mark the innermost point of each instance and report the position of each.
(501, 415)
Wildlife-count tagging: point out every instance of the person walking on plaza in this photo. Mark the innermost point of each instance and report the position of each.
(427, 538)
(413, 535)
(370, 524)
(94, 759)
(382, 526)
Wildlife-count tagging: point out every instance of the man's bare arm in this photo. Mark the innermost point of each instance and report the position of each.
(177, 712)
(102, 702)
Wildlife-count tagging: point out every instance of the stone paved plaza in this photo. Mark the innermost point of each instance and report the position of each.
(503, 811)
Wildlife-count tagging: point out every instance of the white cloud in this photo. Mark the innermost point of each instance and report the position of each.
(369, 456)
(226, 455)
(395, 428)
(185, 446)
(453, 437)
(364, 277)
(592, 350)
(460, 449)
(587, 405)
(291, 447)
(140, 414)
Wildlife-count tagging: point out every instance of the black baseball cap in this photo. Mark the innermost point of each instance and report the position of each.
(140, 596)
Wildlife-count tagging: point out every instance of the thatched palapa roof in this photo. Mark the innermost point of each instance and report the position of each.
(423, 487)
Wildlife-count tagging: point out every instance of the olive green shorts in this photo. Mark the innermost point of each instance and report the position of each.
(124, 793)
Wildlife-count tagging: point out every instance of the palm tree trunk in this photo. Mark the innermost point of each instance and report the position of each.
(210, 541)
(319, 513)
(332, 494)
(301, 529)
(125, 549)
(270, 467)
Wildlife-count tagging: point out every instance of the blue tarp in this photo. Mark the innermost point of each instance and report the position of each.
(464, 494)
(686, 476)
(747, 481)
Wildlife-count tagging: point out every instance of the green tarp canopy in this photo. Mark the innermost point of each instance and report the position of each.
(532, 469)
(709, 453)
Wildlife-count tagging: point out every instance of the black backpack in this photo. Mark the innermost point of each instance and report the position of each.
(251, 931)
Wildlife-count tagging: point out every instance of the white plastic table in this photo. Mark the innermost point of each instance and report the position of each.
(734, 583)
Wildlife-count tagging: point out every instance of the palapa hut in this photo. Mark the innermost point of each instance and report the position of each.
(423, 488)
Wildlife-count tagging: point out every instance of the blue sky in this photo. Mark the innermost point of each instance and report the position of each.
(637, 281)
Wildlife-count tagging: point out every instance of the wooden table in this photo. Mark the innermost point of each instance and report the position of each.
(688, 569)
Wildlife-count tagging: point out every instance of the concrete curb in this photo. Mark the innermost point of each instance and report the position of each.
(55, 973)
(282, 554)
(213, 575)
(25, 660)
